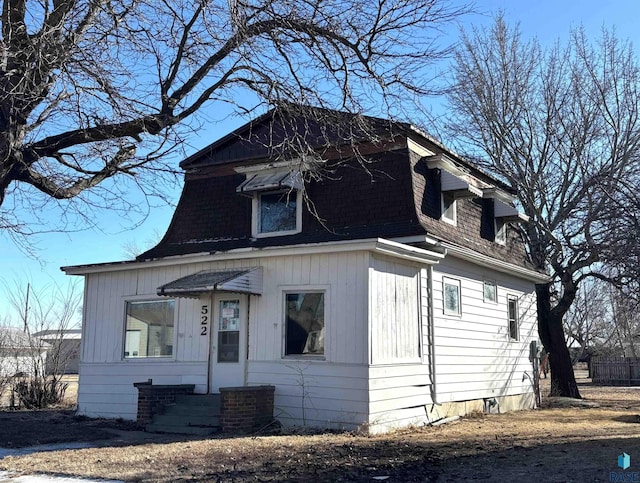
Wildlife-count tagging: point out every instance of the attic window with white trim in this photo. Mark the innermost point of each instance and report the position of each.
(505, 213)
(448, 202)
(454, 184)
(277, 213)
(276, 201)
(500, 231)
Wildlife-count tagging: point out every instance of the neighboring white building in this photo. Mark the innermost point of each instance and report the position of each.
(412, 300)
(20, 354)
(64, 350)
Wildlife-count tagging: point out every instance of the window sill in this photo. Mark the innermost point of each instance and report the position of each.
(304, 357)
(149, 359)
(452, 314)
(449, 221)
(277, 233)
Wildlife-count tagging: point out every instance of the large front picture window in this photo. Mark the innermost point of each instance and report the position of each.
(304, 313)
(149, 329)
(277, 212)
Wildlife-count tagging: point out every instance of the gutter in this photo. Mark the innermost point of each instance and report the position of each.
(486, 261)
(377, 245)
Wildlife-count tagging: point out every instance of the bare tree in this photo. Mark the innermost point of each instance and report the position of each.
(35, 352)
(562, 127)
(94, 94)
(625, 322)
(588, 321)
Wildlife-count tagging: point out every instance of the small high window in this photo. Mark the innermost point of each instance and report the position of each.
(451, 296)
(304, 319)
(513, 317)
(277, 213)
(448, 207)
(149, 329)
(490, 291)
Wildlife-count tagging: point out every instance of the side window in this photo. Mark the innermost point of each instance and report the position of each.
(304, 323)
(513, 317)
(448, 207)
(149, 328)
(490, 291)
(451, 296)
(276, 213)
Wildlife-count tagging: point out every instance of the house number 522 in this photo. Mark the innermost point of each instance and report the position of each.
(204, 319)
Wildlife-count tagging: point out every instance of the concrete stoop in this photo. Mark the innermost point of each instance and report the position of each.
(197, 414)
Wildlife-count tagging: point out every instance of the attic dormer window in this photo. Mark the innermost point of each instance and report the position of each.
(276, 213)
(448, 202)
(276, 201)
(500, 230)
(455, 183)
(505, 213)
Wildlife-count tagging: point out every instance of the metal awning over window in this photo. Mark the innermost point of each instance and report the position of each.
(243, 280)
(270, 181)
(507, 213)
(450, 183)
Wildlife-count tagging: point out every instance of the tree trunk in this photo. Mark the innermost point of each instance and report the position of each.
(551, 331)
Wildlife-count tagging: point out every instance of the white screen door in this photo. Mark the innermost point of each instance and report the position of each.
(228, 341)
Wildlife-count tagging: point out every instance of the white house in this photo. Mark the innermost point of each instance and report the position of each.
(406, 296)
(21, 354)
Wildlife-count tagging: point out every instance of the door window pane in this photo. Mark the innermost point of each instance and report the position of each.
(229, 331)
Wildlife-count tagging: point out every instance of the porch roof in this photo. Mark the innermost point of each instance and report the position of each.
(241, 280)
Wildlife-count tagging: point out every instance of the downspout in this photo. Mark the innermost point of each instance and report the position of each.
(246, 342)
(211, 324)
(432, 341)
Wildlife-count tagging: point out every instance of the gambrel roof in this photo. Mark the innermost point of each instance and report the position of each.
(379, 179)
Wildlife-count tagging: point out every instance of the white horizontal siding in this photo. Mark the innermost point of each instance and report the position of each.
(335, 395)
(106, 390)
(398, 395)
(474, 356)
(343, 278)
(342, 275)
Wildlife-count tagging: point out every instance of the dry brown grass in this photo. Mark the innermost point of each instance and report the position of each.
(557, 444)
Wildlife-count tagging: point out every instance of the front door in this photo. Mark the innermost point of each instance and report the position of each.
(228, 341)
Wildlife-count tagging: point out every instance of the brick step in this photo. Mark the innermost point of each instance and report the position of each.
(199, 400)
(187, 420)
(200, 411)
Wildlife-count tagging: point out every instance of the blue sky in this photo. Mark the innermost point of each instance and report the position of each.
(547, 20)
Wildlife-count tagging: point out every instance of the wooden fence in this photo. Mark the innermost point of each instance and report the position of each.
(615, 371)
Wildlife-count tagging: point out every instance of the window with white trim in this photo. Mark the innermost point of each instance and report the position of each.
(513, 317)
(451, 300)
(448, 202)
(277, 213)
(149, 328)
(500, 231)
(304, 323)
(490, 291)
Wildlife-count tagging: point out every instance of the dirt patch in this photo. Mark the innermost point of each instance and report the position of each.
(554, 444)
(19, 429)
